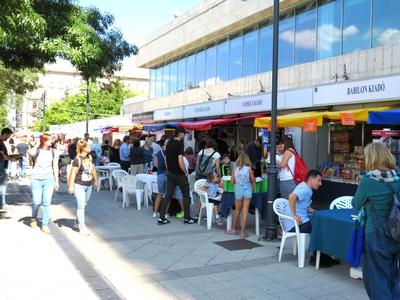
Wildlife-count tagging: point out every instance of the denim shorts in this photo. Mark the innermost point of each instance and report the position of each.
(243, 192)
(162, 183)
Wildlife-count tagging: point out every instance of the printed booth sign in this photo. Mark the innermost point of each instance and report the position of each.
(310, 125)
(347, 118)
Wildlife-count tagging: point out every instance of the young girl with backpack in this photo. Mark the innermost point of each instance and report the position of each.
(243, 178)
(83, 176)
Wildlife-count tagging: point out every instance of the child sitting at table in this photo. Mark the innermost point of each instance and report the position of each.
(212, 189)
(243, 178)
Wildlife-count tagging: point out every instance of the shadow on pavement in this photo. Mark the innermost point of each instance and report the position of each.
(69, 223)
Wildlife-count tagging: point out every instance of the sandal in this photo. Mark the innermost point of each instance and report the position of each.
(244, 235)
(230, 232)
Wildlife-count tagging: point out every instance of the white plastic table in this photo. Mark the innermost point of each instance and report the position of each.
(150, 181)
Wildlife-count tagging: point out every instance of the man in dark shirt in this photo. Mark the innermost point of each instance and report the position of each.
(223, 147)
(253, 150)
(176, 176)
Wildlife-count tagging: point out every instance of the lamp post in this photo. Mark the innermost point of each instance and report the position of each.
(269, 217)
(87, 105)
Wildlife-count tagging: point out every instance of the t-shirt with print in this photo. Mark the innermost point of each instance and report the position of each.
(304, 194)
(84, 175)
(174, 149)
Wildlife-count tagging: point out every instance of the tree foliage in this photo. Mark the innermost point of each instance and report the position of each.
(106, 100)
(34, 32)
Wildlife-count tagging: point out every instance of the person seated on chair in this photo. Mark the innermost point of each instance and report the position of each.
(212, 188)
(300, 210)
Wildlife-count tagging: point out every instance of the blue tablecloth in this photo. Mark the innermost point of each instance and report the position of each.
(331, 231)
(228, 200)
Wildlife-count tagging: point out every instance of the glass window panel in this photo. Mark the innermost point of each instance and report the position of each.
(200, 68)
(305, 37)
(173, 77)
(356, 25)
(250, 53)
(386, 22)
(235, 57)
(211, 65)
(286, 42)
(181, 75)
(165, 80)
(152, 83)
(158, 82)
(329, 37)
(222, 61)
(190, 71)
(265, 49)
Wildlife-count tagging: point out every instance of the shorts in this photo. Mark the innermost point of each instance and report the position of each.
(243, 192)
(178, 194)
(162, 183)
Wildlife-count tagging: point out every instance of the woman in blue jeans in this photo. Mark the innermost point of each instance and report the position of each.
(380, 263)
(83, 176)
(44, 180)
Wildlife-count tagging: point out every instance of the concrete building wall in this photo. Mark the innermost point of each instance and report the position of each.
(359, 65)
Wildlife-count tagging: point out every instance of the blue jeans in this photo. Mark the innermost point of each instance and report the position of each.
(381, 267)
(22, 167)
(42, 191)
(82, 194)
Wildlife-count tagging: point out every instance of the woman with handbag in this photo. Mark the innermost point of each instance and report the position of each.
(81, 180)
(380, 262)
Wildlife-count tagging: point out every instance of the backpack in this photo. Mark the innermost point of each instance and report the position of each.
(392, 225)
(34, 158)
(300, 168)
(205, 166)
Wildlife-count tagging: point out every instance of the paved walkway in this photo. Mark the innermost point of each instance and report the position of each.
(33, 266)
(180, 261)
(142, 260)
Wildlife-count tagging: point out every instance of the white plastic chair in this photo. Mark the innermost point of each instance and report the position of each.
(117, 175)
(102, 175)
(302, 239)
(129, 187)
(114, 164)
(205, 204)
(343, 202)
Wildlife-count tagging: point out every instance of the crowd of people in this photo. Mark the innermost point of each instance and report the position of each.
(211, 161)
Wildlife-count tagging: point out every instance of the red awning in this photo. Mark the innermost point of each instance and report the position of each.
(208, 124)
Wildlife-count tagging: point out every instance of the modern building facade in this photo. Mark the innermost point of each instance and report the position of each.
(216, 59)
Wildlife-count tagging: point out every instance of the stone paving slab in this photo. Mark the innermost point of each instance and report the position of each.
(33, 266)
(179, 261)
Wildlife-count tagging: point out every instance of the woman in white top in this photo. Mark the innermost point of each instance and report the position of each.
(287, 165)
(44, 180)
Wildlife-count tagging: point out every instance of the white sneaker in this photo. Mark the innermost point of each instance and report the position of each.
(356, 273)
(156, 214)
(83, 231)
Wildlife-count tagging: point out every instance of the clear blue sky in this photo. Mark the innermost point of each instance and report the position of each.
(138, 18)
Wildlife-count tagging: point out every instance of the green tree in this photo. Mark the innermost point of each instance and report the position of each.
(106, 100)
